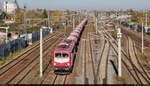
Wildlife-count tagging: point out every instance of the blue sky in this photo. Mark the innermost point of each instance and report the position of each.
(85, 4)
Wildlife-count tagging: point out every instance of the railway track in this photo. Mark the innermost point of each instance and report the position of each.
(99, 60)
(24, 63)
(136, 37)
(102, 65)
(126, 61)
(15, 61)
(139, 68)
(114, 46)
(131, 51)
(140, 64)
(52, 78)
(35, 64)
(21, 65)
(133, 60)
(83, 55)
(89, 58)
(60, 79)
(87, 65)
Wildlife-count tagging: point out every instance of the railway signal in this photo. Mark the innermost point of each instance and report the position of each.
(41, 43)
(119, 35)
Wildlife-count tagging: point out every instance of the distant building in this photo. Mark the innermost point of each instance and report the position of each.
(10, 7)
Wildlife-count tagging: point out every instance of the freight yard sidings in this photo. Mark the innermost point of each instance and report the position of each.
(75, 47)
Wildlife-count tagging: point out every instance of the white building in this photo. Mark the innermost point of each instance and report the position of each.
(9, 7)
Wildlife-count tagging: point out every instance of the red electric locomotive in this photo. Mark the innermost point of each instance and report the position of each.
(63, 55)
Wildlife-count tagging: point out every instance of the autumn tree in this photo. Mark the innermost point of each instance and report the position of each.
(45, 15)
(68, 14)
(19, 16)
(57, 16)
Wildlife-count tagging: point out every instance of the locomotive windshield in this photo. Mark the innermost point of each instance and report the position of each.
(59, 55)
(65, 55)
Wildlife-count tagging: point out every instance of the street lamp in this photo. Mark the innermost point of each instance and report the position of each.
(25, 22)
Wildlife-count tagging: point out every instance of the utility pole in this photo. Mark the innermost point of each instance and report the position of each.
(96, 25)
(79, 17)
(48, 19)
(41, 56)
(73, 23)
(6, 10)
(25, 22)
(6, 34)
(119, 51)
(49, 23)
(142, 40)
(146, 19)
(65, 27)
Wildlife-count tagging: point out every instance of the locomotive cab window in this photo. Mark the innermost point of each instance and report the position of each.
(65, 55)
(57, 55)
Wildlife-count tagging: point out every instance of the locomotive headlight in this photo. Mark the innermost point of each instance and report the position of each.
(54, 63)
(68, 64)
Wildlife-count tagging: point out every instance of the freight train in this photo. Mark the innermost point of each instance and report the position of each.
(136, 27)
(64, 53)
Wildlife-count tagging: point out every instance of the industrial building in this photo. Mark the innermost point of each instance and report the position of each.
(10, 7)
